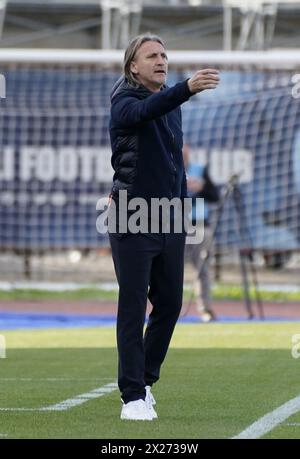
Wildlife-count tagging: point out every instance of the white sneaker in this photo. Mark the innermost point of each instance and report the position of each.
(150, 402)
(136, 411)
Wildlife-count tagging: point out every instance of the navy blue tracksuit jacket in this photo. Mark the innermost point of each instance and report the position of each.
(146, 140)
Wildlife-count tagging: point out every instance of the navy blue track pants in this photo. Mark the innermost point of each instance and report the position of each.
(146, 265)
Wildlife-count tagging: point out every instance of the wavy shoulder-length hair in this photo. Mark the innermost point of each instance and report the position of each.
(130, 54)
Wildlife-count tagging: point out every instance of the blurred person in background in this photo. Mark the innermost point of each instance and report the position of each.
(146, 140)
(200, 185)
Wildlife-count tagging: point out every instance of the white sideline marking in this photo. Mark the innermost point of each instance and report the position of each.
(271, 420)
(71, 402)
(3, 435)
(2, 347)
(55, 379)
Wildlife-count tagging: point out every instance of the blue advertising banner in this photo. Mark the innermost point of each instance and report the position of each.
(55, 154)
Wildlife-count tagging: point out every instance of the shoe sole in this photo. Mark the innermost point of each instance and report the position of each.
(125, 418)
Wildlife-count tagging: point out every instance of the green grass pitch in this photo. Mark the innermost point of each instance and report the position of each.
(216, 381)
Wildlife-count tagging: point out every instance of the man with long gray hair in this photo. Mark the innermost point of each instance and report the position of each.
(146, 139)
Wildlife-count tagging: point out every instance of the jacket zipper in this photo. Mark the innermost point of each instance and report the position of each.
(173, 138)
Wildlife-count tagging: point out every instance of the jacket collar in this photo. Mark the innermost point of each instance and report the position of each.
(122, 86)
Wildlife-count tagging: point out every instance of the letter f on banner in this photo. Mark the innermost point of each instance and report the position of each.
(2, 347)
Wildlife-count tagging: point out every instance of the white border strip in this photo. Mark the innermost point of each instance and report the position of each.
(270, 420)
(56, 286)
(111, 286)
(277, 58)
(71, 402)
